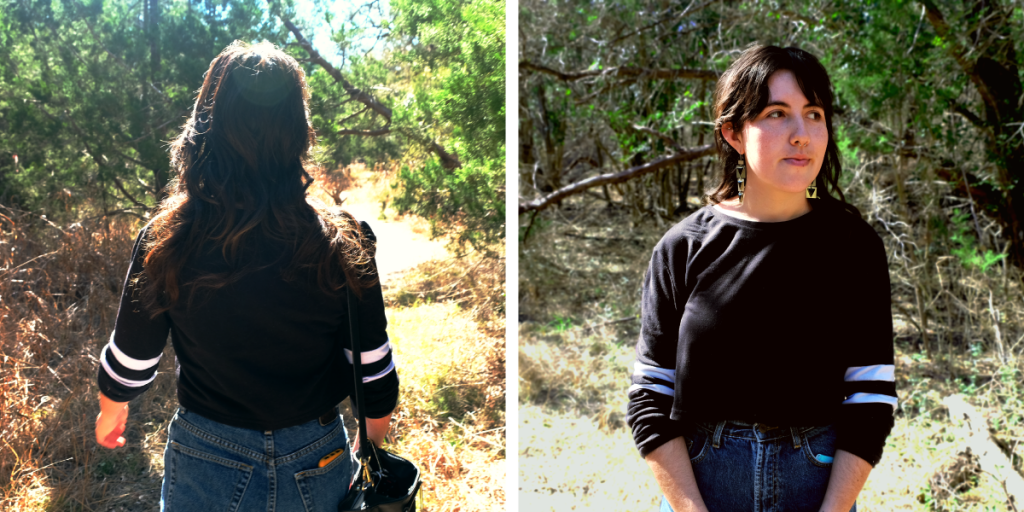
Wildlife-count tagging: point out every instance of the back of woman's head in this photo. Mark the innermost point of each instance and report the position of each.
(244, 147)
(742, 93)
(241, 162)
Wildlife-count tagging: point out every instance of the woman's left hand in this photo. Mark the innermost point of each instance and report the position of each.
(376, 429)
(110, 423)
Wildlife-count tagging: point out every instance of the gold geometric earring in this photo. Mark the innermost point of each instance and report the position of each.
(812, 190)
(741, 176)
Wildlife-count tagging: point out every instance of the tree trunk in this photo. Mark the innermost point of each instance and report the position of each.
(995, 75)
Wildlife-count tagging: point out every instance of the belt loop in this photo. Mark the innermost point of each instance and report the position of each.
(796, 437)
(717, 438)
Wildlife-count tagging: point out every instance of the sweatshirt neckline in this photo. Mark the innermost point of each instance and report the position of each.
(765, 226)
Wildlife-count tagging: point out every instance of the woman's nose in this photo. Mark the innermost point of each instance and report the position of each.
(799, 136)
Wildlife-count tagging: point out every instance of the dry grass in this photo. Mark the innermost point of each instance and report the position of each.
(451, 420)
(59, 290)
(580, 278)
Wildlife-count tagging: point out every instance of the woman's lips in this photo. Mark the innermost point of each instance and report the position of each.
(799, 162)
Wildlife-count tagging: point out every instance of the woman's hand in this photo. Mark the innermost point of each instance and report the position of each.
(110, 422)
(670, 464)
(376, 429)
(849, 472)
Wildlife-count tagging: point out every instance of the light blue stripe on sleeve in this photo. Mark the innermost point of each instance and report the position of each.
(867, 398)
(657, 388)
(880, 372)
(654, 372)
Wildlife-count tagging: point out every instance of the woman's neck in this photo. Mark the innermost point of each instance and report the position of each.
(766, 206)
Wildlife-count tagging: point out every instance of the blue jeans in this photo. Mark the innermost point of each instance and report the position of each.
(212, 466)
(744, 467)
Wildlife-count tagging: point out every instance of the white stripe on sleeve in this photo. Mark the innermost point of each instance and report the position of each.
(130, 362)
(869, 398)
(382, 373)
(371, 356)
(881, 372)
(657, 388)
(119, 379)
(654, 372)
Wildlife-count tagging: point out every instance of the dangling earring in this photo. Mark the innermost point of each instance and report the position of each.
(741, 176)
(812, 190)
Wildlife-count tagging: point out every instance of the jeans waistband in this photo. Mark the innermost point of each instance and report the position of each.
(755, 431)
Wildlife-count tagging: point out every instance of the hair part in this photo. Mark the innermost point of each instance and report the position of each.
(742, 93)
(243, 170)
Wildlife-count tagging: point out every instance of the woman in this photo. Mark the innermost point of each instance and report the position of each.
(764, 373)
(249, 279)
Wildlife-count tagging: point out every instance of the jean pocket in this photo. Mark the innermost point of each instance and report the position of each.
(323, 488)
(697, 442)
(819, 446)
(197, 480)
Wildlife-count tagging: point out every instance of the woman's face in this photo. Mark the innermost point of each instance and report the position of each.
(784, 145)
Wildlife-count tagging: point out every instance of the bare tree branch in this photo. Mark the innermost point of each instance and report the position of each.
(625, 71)
(690, 9)
(958, 52)
(605, 179)
(368, 133)
(970, 116)
(655, 133)
(117, 182)
(358, 94)
(448, 160)
(347, 118)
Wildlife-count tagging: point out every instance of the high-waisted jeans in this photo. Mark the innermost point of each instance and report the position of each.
(212, 466)
(747, 467)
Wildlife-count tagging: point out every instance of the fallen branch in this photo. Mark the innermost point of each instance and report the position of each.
(975, 437)
(619, 177)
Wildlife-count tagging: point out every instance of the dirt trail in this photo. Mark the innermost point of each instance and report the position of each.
(402, 243)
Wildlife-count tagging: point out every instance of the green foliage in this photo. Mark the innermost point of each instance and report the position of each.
(455, 76)
(468, 202)
(560, 324)
(965, 245)
(90, 93)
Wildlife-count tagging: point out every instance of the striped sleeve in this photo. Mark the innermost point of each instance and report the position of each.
(653, 378)
(380, 376)
(869, 382)
(129, 360)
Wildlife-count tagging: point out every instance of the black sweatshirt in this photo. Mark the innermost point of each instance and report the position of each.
(784, 324)
(260, 353)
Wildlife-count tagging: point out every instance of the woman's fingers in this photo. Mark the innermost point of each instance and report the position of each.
(109, 428)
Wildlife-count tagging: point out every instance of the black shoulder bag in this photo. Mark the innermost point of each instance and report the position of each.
(386, 482)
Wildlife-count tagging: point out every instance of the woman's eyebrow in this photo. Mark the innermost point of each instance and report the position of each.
(784, 104)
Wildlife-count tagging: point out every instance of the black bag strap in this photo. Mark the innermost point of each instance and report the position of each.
(357, 371)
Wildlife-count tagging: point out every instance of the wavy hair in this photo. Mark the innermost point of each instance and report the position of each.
(242, 164)
(742, 93)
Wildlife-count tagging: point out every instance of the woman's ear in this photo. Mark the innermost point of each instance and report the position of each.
(733, 137)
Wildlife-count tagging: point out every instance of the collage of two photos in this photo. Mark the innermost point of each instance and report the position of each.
(470, 255)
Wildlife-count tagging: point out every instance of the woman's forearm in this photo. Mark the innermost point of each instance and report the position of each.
(377, 428)
(849, 472)
(670, 463)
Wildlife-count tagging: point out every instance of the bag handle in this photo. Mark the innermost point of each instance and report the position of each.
(357, 371)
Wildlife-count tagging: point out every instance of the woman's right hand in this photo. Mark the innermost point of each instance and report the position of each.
(670, 464)
(110, 423)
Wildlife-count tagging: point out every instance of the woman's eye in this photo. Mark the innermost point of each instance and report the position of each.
(775, 114)
(815, 115)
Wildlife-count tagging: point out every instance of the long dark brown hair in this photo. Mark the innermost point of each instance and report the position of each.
(241, 162)
(742, 93)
